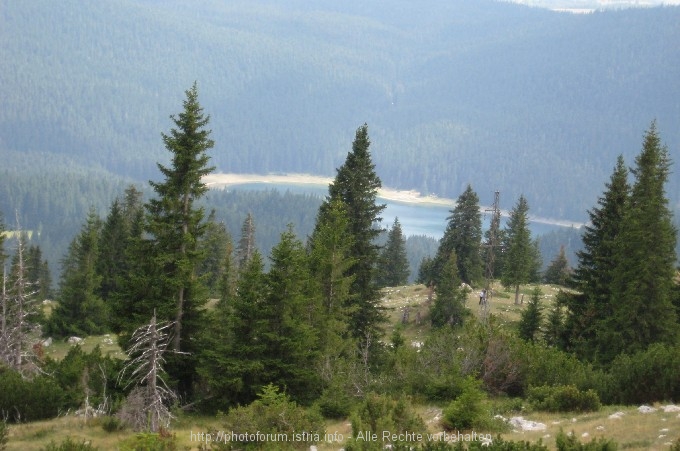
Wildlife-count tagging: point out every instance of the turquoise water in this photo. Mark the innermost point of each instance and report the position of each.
(415, 219)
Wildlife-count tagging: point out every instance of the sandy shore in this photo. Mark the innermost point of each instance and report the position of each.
(408, 197)
(411, 197)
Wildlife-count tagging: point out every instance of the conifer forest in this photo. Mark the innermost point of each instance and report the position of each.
(144, 309)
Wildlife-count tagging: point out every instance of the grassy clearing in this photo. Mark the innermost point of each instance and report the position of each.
(107, 343)
(633, 431)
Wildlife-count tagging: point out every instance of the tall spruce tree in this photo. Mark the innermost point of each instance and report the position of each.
(558, 271)
(594, 273)
(520, 257)
(531, 317)
(393, 268)
(449, 305)
(246, 245)
(289, 307)
(463, 236)
(80, 310)
(356, 185)
(176, 225)
(643, 282)
(330, 263)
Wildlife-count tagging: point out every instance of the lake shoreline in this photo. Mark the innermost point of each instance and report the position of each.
(412, 197)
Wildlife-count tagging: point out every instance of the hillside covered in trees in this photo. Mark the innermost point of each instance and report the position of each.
(504, 96)
(308, 339)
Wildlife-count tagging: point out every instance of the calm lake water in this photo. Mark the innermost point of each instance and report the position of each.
(415, 219)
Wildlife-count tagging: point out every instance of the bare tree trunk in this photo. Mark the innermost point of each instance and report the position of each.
(517, 294)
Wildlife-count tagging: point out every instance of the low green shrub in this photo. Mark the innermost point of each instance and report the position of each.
(112, 424)
(569, 442)
(70, 445)
(28, 399)
(161, 441)
(378, 413)
(467, 410)
(645, 377)
(563, 398)
(275, 414)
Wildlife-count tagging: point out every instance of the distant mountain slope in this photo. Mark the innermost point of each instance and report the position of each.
(499, 95)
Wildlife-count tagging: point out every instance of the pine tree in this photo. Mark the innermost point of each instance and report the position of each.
(80, 310)
(520, 257)
(176, 226)
(111, 258)
(553, 335)
(449, 305)
(643, 282)
(393, 268)
(246, 245)
(330, 263)
(216, 248)
(594, 272)
(463, 236)
(289, 337)
(39, 275)
(356, 185)
(558, 271)
(240, 376)
(531, 317)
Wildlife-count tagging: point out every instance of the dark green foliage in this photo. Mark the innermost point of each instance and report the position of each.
(81, 311)
(272, 413)
(646, 376)
(449, 305)
(28, 400)
(356, 185)
(426, 271)
(594, 273)
(558, 271)
(112, 424)
(287, 333)
(216, 266)
(38, 273)
(246, 245)
(563, 398)
(463, 236)
(467, 411)
(91, 375)
(176, 226)
(231, 361)
(379, 413)
(393, 267)
(330, 262)
(69, 444)
(642, 284)
(531, 317)
(520, 259)
(554, 331)
(569, 442)
(117, 235)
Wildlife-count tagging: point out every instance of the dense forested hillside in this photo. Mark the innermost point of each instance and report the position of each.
(500, 95)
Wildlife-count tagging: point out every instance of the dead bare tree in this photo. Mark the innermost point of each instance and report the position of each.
(17, 305)
(147, 405)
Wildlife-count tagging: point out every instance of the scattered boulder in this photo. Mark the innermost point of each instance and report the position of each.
(521, 424)
(47, 342)
(671, 408)
(75, 340)
(616, 415)
(646, 409)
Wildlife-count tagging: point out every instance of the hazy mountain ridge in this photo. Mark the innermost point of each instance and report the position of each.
(499, 95)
